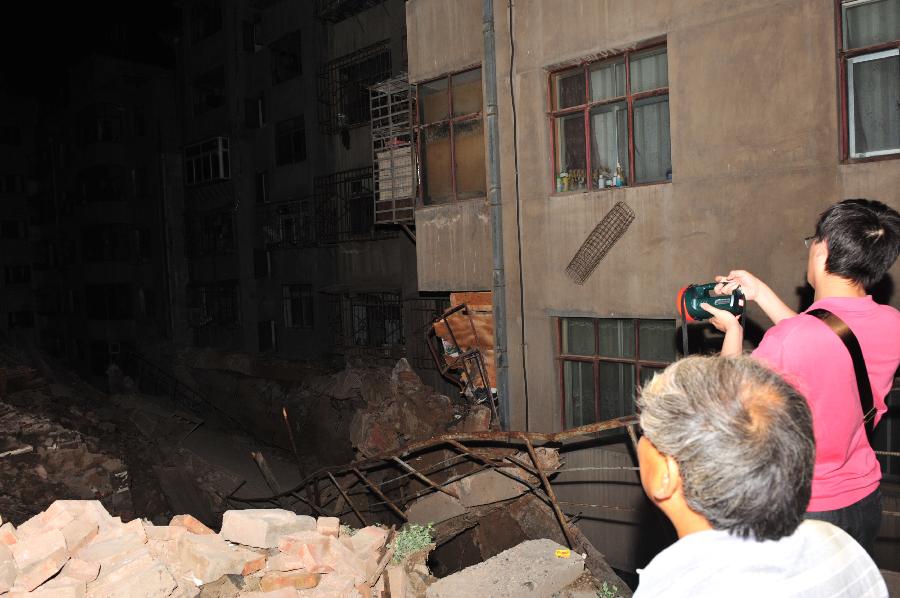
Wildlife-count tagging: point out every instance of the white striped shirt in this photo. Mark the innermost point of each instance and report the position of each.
(818, 560)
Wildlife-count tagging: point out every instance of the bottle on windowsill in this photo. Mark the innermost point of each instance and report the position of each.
(620, 177)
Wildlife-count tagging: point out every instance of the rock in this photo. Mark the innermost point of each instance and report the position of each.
(262, 528)
(191, 524)
(530, 569)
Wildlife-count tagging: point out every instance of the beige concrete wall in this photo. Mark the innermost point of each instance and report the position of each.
(453, 246)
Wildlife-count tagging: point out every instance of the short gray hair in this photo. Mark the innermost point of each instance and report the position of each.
(742, 438)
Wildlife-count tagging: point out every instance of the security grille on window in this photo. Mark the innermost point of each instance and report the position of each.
(295, 225)
(102, 183)
(603, 361)
(209, 233)
(209, 91)
(12, 183)
(105, 243)
(344, 87)
(290, 141)
(101, 123)
(372, 319)
(451, 138)
(206, 161)
(609, 115)
(17, 274)
(286, 58)
(870, 68)
(298, 305)
(215, 303)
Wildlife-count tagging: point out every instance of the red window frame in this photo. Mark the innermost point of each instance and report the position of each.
(585, 108)
(450, 122)
(842, 57)
(596, 360)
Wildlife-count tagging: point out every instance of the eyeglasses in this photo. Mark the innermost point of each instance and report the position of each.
(809, 240)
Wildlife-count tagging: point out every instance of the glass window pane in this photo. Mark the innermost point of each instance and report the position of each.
(471, 180)
(652, 146)
(578, 336)
(616, 390)
(608, 80)
(609, 138)
(875, 104)
(649, 70)
(647, 374)
(570, 154)
(871, 23)
(433, 101)
(616, 337)
(436, 159)
(466, 91)
(569, 89)
(657, 338)
(578, 378)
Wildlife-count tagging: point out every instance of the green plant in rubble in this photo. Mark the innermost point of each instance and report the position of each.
(411, 538)
(346, 530)
(608, 590)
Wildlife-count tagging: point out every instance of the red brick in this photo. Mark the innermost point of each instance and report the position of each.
(135, 575)
(8, 569)
(262, 528)
(81, 570)
(39, 571)
(35, 548)
(311, 547)
(329, 526)
(300, 580)
(8, 535)
(164, 533)
(78, 533)
(208, 558)
(285, 562)
(191, 524)
(368, 541)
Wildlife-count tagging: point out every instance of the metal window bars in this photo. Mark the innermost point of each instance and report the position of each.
(393, 156)
(343, 87)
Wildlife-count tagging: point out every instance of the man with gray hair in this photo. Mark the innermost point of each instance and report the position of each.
(727, 455)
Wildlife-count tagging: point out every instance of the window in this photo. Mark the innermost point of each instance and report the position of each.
(206, 19)
(344, 86)
(451, 138)
(209, 91)
(262, 263)
(603, 361)
(373, 319)
(108, 301)
(266, 333)
(17, 274)
(608, 115)
(262, 187)
(255, 112)
(101, 123)
(298, 305)
(294, 221)
(139, 121)
(206, 161)
(139, 182)
(10, 135)
(217, 302)
(143, 244)
(12, 183)
(870, 71)
(147, 302)
(251, 35)
(209, 233)
(102, 183)
(286, 63)
(290, 141)
(13, 229)
(105, 243)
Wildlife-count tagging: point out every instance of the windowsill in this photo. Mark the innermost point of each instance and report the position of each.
(583, 191)
(871, 159)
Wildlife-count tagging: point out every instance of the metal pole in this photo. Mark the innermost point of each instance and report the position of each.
(493, 155)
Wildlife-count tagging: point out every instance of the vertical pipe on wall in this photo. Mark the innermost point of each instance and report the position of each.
(493, 158)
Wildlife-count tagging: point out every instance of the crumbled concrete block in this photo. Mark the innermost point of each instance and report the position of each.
(208, 558)
(37, 572)
(81, 570)
(328, 526)
(8, 535)
(78, 533)
(311, 547)
(191, 524)
(108, 546)
(529, 569)
(346, 562)
(262, 528)
(299, 580)
(35, 548)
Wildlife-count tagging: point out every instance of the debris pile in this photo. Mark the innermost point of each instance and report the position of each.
(77, 549)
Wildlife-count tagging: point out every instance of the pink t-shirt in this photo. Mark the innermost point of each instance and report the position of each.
(812, 358)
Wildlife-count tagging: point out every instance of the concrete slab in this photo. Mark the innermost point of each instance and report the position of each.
(530, 569)
(434, 508)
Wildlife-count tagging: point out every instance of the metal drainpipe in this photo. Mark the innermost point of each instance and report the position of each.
(493, 155)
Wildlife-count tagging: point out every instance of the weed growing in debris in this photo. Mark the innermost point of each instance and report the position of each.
(410, 539)
(608, 590)
(346, 530)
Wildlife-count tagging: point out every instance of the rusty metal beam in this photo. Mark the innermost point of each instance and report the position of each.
(380, 494)
(424, 478)
(347, 498)
(549, 490)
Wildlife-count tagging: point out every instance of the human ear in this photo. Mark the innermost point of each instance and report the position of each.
(668, 479)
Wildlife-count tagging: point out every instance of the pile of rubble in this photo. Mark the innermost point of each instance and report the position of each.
(76, 549)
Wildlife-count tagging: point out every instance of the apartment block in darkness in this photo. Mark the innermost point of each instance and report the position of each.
(731, 126)
(17, 232)
(104, 262)
(284, 253)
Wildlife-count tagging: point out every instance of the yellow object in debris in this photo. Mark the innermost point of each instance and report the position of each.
(563, 553)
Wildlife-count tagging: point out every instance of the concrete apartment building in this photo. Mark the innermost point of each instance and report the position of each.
(283, 253)
(734, 123)
(16, 229)
(102, 260)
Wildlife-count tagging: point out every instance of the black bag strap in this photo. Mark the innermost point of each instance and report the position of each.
(846, 335)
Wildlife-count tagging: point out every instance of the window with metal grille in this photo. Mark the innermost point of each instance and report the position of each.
(105, 243)
(206, 161)
(215, 303)
(208, 90)
(372, 319)
(297, 301)
(19, 274)
(869, 61)
(344, 86)
(609, 115)
(290, 141)
(450, 138)
(603, 361)
(286, 58)
(101, 123)
(209, 233)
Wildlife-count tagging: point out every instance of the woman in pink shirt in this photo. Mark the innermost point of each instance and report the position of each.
(855, 243)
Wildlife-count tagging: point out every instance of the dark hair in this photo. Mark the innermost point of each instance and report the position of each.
(863, 238)
(742, 438)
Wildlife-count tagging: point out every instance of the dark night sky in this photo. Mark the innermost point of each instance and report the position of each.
(41, 40)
